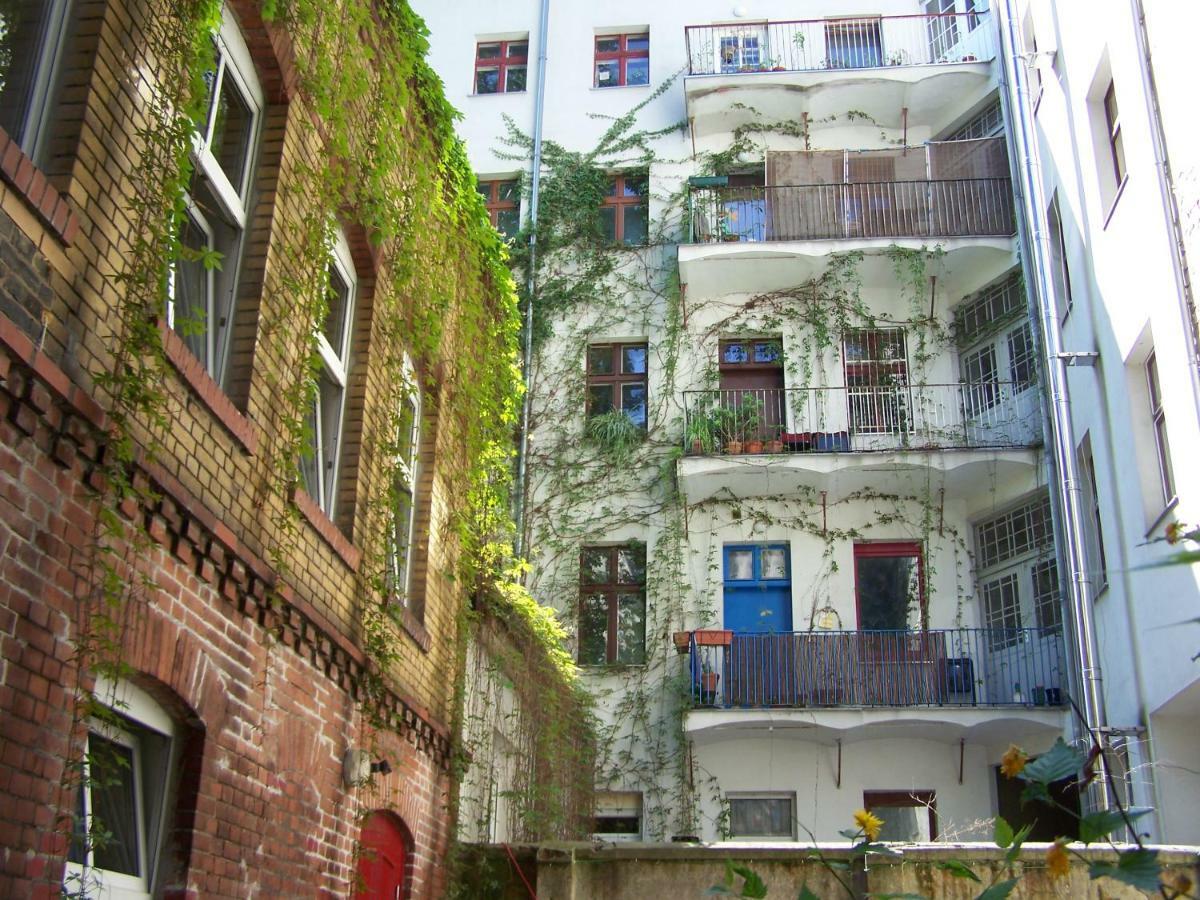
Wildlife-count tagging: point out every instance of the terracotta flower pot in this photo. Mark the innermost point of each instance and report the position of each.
(733, 447)
(683, 641)
(754, 446)
(713, 637)
(708, 682)
(774, 447)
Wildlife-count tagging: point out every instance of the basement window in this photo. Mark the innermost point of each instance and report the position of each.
(758, 816)
(618, 816)
(908, 816)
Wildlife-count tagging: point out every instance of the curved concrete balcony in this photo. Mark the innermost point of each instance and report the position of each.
(846, 439)
(926, 69)
(978, 684)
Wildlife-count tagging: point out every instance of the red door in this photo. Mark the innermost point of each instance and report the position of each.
(383, 859)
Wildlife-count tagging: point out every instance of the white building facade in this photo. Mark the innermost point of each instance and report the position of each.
(786, 477)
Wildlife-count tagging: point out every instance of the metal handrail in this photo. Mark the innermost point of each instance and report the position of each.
(965, 667)
(938, 208)
(851, 42)
(887, 414)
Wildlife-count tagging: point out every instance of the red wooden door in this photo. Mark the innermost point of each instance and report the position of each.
(383, 859)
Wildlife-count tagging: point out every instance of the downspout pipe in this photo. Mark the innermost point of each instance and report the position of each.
(1070, 494)
(1166, 185)
(539, 107)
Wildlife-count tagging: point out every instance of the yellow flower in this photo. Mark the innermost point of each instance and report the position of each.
(1012, 763)
(1057, 861)
(1174, 532)
(868, 824)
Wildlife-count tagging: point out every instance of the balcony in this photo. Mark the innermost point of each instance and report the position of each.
(957, 194)
(980, 682)
(925, 69)
(845, 439)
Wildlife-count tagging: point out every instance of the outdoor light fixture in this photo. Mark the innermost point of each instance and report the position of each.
(358, 767)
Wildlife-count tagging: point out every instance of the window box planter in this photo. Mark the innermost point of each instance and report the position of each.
(683, 641)
(713, 637)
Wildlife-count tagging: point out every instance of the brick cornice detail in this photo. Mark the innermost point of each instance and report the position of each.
(32, 185)
(35, 392)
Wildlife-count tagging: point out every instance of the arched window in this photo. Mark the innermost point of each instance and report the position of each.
(123, 795)
(200, 295)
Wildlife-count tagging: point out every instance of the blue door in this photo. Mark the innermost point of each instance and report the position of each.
(758, 588)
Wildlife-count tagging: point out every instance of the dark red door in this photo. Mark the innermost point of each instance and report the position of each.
(383, 860)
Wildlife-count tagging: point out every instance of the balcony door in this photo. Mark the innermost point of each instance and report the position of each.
(889, 586)
(761, 666)
(877, 393)
(741, 48)
(752, 383)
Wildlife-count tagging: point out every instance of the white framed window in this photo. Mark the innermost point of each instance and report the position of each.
(320, 464)
(618, 816)
(200, 296)
(1002, 609)
(404, 489)
(1047, 605)
(1097, 561)
(123, 797)
(1016, 571)
(997, 354)
(36, 36)
(769, 815)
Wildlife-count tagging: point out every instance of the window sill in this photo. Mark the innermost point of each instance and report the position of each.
(499, 94)
(610, 668)
(618, 87)
(43, 199)
(412, 626)
(207, 389)
(1161, 518)
(1112, 207)
(324, 526)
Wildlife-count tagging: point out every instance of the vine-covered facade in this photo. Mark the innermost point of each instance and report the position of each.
(786, 480)
(257, 384)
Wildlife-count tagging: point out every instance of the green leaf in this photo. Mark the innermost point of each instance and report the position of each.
(1099, 825)
(753, 885)
(1015, 850)
(958, 868)
(1056, 764)
(806, 894)
(1138, 868)
(999, 890)
(1003, 833)
(1035, 790)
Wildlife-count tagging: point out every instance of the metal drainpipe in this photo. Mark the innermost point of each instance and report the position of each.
(1070, 493)
(539, 105)
(1166, 184)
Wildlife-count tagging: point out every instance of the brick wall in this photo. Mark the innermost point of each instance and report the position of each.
(253, 647)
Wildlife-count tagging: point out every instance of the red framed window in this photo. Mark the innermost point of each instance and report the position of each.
(623, 214)
(889, 585)
(612, 605)
(907, 815)
(616, 379)
(622, 59)
(501, 66)
(503, 202)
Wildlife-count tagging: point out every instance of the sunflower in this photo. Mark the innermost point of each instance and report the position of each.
(868, 824)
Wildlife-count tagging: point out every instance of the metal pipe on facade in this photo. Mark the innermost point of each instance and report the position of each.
(539, 105)
(1166, 184)
(1070, 494)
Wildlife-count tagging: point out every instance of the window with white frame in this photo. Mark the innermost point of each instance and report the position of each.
(320, 465)
(762, 815)
(988, 122)
(203, 280)
(1060, 270)
(997, 355)
(35, 34)
(404, 489)
(1093, 523)
(123, 796)
(1016, 571)
(1158, 419)
(618, 816)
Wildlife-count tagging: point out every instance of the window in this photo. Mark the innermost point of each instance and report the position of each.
(997, 355)
(503, 202)
(1022, 357)
(853, 43)
(1047, 605)
(752, 384)
(200, 296)
(943, 28)
(1059, 270)
(35, 35)
(889, 585)
(612, 605)
(618, 816)
(740, 48)
(906, 815)
(1115, 145)
(616, 379)
(1017, 572)
(622, 59)
(501, 66)
(623, 213)
(876, 380)
(762, 816)
(989, 122)
(1090, 501)
(320, 465)
(1166, 478)
(122, 800)
(407, 456)
(979, 372)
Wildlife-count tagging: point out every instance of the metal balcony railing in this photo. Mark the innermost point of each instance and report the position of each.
(962, 207)
(868, 417)
(1001, 667)
(861, 42)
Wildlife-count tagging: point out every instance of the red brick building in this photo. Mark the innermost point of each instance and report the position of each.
(233, 617)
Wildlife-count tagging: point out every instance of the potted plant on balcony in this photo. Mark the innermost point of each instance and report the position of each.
(702, 432)
(775, 444)
(747, 416)
(899, 58)
(708, 683)
(713, 637)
